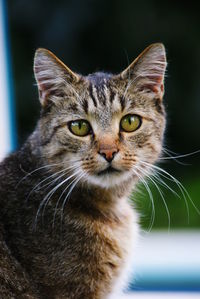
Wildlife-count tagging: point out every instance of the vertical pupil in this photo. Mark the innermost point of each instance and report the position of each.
(79, 125)
(129, 120)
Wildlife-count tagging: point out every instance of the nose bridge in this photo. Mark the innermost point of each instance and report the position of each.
(108, 147)
(107, 142)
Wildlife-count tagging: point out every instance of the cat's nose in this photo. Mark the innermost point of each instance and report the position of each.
(108, 154)
(108, 147)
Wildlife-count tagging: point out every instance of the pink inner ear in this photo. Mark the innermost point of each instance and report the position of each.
(44, 86)
(154, 83)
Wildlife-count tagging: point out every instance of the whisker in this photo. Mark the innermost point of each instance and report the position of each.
(48, 196)
(151, 199)
(66, 171)
(168, 176)
(44, 180)
(35, 170)
(170, 157)
(59, 199)
(163, 199)
(43, 167)
(52, 181)
(159, 180)
(73, 183)
(178, 156)
(48, 199)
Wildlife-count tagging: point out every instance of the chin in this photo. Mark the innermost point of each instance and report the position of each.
(110, 180)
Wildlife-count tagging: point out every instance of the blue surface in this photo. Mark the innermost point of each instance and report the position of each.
(9, 80)
(172, 281)
(168, 262)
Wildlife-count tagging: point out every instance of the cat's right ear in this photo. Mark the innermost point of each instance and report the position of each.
(146, 73)
(52, 75)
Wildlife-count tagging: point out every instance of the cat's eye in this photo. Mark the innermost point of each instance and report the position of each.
(80, 127)
(130, 122)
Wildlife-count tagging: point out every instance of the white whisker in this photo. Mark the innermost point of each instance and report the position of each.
(150, 197)
(47, 178)
(60, 197)
(163, 199)
(63, 171)
(48, 196)
(168, 176)
(178, 156)
(73, 183)
(35, 170)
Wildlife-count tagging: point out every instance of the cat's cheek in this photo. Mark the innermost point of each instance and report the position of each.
(124, 160)
(152, 151)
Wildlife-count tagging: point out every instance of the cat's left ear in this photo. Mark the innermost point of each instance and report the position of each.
(52, 75)
(146, 73)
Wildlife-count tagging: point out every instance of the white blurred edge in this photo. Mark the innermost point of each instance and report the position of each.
(5, 94)
(168, 254)
(161, 295)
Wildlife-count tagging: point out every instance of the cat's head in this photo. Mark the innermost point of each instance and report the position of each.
(104, 129)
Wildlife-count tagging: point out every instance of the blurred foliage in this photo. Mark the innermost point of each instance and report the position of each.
(178, 217)
(176, 203)
(93, 35)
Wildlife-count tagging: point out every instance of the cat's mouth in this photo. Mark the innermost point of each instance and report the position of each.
(108, 170)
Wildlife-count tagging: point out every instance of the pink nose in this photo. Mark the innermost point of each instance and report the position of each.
(108, 154)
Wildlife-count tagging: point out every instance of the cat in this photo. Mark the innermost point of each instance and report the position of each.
(67, 226)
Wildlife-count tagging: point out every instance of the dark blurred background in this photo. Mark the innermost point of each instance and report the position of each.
(107, 35)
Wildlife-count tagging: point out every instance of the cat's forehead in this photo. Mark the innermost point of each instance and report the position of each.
(99, 78)
(101, 99)
(102, 96)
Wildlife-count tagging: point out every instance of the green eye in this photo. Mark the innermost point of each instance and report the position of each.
(80, 127)
(130, 122)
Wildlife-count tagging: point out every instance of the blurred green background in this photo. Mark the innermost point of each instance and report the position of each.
(107, 35)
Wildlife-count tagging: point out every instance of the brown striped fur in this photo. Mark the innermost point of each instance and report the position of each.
(67, 227)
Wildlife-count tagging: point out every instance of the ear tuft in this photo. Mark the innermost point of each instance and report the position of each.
(147, 71)
(51, 74)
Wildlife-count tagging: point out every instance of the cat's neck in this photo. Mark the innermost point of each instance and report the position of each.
(99, 202)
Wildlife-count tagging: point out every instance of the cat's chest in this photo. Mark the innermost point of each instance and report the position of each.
(98, 251)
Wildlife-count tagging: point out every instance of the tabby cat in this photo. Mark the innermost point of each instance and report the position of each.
(67, 226)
